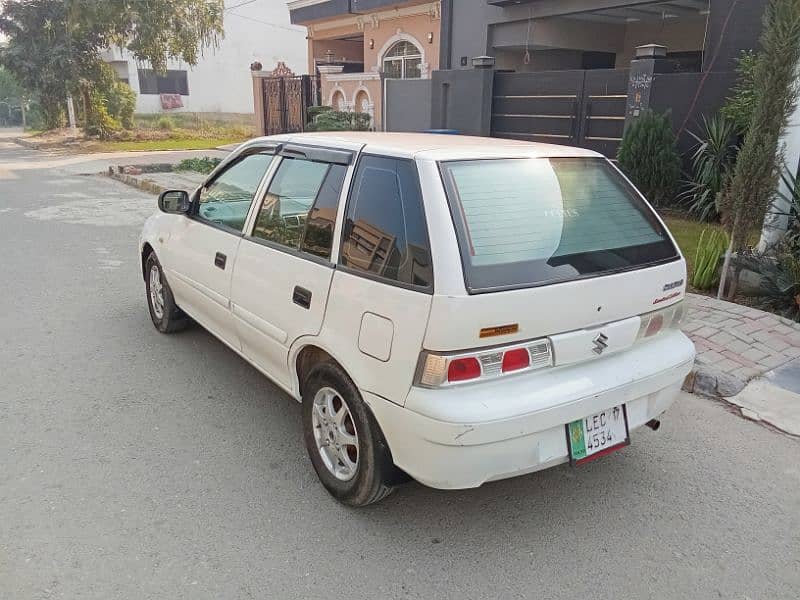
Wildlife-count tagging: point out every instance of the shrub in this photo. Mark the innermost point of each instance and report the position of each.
(779, 291)
(121, 103)
(712, 161)
(206, 164)
(648, 155)
(334, 120)
(710, 248)
(314, 111)
(98, 121)
(165, 123)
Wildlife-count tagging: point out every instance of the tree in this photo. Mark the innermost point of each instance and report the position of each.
(746, 198)
(54, 46)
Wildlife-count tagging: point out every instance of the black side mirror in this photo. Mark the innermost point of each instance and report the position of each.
(175, 202)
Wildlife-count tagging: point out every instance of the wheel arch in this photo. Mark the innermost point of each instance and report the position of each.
(304, 356)
(147, 250)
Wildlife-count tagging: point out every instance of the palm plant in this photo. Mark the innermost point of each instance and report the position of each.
(712, 160)
(791, 198)
(779, 291)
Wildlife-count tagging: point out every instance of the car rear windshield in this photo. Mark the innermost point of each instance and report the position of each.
(534, 221)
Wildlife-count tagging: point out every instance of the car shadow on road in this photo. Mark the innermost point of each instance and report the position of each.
(264, 410)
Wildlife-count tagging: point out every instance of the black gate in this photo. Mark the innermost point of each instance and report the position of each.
(574, 108)
(286, 102)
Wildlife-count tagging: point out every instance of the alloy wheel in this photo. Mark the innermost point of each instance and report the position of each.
(335, 434)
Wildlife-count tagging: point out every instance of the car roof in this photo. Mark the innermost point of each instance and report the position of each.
(431, 146)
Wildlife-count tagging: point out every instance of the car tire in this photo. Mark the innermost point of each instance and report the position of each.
(165, 314)
(360, 471)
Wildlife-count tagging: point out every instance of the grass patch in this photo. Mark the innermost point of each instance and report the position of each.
(687, 234)
(163, 144)
(179, 131)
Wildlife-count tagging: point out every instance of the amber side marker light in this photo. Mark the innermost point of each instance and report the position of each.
(499, 330)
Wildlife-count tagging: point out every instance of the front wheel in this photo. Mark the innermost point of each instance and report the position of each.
(343, 439)
(166, 315)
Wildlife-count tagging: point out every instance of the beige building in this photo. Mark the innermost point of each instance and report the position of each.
(354, 51)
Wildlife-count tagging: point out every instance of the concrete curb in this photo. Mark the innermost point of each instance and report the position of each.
(137, 182)
(705, 380)
(33, 145)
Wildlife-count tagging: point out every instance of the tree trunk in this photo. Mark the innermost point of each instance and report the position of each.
(726, 265)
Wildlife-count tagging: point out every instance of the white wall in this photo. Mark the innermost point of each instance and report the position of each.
(776, 222)
(220, 82)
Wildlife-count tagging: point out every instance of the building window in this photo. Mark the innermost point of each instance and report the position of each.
(172, 82)
(403, 61)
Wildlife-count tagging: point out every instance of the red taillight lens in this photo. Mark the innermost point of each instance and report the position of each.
(463, 369)
(655, 325)
(514, 360)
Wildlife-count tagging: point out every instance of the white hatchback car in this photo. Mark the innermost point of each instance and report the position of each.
(454, 309)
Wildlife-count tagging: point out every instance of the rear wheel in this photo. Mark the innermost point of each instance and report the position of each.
(343, 439)
(166, 315)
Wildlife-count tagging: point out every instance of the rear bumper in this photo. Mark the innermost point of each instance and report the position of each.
(462, 437)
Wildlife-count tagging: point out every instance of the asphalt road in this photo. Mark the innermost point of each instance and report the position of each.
(138, 465)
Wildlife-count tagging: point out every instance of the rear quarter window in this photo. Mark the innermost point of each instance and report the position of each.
(385, 234)
(525, 222)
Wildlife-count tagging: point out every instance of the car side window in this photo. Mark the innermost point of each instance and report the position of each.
(299, 208)
(226, 200)
(385, 232)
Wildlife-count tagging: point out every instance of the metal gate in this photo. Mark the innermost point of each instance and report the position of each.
(574, 108)
(286, 102)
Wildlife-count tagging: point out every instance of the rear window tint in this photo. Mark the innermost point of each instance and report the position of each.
(385, 231)
(525, 222)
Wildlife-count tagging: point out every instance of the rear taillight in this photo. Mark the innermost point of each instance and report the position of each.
(514, 360)
(657, 321)
(441, 370)
(463, 369)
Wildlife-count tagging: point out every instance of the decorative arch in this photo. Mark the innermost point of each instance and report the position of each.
(368, 107)
(362, 91)
(401, 36)
(337, 91)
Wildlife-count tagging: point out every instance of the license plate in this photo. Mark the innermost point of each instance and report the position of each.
(597, 435)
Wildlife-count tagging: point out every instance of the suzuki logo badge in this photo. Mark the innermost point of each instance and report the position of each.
(600, 343)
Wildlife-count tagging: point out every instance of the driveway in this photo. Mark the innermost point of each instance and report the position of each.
(137, 465)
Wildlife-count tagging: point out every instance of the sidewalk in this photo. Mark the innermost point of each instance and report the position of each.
(748, 357)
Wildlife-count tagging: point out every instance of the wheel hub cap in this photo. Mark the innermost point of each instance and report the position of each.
(335, 434)
(156, 292)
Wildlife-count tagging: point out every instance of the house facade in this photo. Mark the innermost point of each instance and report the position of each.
(355, 44)
(220, 82)
(542, 35)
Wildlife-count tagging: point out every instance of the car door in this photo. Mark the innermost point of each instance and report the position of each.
(283, 268)
(201, 249)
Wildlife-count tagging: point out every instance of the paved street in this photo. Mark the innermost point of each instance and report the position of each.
(137, 465)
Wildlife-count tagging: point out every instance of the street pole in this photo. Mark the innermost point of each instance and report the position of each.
(22, 110)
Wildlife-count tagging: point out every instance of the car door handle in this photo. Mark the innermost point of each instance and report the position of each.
(219, 260)
(301, 297)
